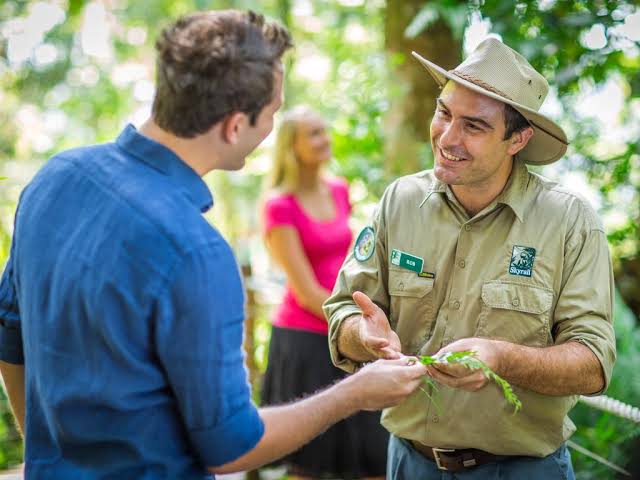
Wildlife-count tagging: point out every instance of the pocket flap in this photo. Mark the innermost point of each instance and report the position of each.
(404, 283)
(516, 296)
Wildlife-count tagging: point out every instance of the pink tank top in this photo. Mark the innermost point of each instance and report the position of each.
(325, 244)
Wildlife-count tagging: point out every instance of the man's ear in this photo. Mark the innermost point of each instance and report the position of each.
(232, 126)
(519, 140)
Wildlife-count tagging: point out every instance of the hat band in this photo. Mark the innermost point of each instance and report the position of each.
(480, 83)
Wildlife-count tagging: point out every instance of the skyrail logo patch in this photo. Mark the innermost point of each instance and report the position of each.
(522, 261)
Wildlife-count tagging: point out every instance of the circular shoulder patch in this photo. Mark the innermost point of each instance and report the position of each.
(365, 244)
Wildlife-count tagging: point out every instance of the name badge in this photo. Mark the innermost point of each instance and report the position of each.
(405, 260)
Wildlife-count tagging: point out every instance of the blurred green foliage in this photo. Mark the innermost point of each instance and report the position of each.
(604, 433)
(10, 440)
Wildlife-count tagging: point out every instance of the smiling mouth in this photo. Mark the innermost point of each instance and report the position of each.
(450, 157)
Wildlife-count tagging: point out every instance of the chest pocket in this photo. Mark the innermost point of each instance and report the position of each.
(404, 283)
(411, 310)
(516, 312)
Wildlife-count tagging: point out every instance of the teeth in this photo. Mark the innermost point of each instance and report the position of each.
(450, 157)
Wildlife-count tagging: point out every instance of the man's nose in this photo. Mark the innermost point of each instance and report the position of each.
(450, 135)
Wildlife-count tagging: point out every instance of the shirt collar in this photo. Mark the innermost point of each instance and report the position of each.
(512, 195)
(167, 162)
(436, 187)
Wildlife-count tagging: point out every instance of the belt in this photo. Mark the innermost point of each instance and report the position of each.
(456, 460)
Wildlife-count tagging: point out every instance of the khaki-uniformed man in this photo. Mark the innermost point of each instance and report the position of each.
(481, 254)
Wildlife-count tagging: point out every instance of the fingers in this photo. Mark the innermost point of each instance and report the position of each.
(453, 370)
(417, 370)
(389, 353)
(410, 365)
(394, 381)
(401, 361)
(442, 377)
(375, 343)
(366, 305)
(380, 348)
(472, 382)
(374, 330)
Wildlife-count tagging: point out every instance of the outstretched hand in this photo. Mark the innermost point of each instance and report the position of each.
(374, 331)
(385, 383)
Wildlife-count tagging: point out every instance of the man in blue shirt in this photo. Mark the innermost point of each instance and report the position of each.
(121, 308)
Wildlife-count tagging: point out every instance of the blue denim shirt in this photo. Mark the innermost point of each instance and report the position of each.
(126, 308)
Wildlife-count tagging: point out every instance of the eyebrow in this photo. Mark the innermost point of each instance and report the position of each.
(466, 117)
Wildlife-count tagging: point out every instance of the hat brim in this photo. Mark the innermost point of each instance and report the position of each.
(548, 143)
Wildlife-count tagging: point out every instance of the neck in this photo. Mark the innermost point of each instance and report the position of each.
(195, 152)
(475, 197)
(309, 179)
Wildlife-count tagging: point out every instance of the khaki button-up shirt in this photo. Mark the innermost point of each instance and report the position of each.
(532, 268)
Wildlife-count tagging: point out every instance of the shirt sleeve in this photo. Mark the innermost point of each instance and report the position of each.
(10, 330)
(584, 310)
(368, 276)
(198, 339)
(277, 211)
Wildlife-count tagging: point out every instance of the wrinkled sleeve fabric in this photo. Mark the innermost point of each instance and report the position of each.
(198, 338)
(277, 211)
(369, 276)
(584, 310)
(10, 329)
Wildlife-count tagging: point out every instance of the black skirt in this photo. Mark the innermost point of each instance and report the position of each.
(299, 364)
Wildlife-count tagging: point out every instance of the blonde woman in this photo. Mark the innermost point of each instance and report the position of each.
(306, 230)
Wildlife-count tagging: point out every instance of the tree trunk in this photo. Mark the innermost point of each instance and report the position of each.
(413, 91)
(283, 9)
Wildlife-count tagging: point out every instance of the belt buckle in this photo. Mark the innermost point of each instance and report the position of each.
(436, 456)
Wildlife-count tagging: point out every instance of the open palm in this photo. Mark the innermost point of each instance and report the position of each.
(374, 330)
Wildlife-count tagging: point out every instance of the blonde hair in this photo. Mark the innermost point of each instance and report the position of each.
(285, 170)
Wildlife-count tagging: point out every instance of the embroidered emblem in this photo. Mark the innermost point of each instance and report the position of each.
(522, 261)
(365, 244)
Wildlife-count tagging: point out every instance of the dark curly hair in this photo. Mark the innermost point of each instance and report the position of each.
(514, 121)
(213, 63)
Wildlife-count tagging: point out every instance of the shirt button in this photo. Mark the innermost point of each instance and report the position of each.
(467, 228)
(461, 264)
(515, 302)
(435, 419)
(456, 305)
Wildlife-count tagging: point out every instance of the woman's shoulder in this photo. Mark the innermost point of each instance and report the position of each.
(277, 203)
(340, 190)
(278, 208)
(337, 183)
(277, 196)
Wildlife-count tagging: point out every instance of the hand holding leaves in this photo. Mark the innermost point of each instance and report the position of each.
(469, 361)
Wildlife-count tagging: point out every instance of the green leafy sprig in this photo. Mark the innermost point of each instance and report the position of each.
(469, 360)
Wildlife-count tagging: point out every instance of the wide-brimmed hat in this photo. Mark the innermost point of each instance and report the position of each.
(499, 72)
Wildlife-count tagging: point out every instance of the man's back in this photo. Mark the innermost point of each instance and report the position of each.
(105, 241)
